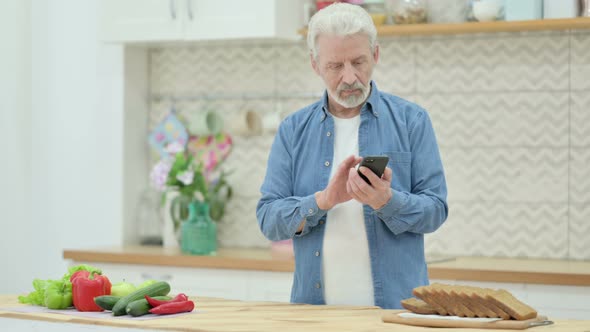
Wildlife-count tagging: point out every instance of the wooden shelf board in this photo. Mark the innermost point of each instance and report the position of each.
(579, 23)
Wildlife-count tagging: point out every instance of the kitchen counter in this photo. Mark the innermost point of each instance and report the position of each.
(226, 315)
(510, 270)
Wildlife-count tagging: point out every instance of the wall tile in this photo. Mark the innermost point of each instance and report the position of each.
(537, 62)
(396, 70)
(519, 119)
(579, 180)
(239, 226)
(514, 141)
(579, 231)
(509, 230)
(506, 174)
(294, 71)
(580, 61)
(580, 118)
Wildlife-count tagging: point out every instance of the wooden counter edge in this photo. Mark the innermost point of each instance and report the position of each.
(545, 278)
(213, 262)
(287, 265)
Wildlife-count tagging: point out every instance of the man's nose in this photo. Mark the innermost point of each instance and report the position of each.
(349, 74)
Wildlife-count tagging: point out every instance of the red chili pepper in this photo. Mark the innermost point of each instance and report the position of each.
(155, 302)
(86, 288)
(173, 308)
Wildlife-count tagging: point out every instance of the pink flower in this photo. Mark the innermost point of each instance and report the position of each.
(159, 174)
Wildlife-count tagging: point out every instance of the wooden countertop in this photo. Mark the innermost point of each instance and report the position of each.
(227, 315)
(512, 270)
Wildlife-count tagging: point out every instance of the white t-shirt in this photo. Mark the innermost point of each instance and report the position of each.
(346, 262)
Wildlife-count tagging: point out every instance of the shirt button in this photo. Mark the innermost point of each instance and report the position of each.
(321, 222)
(317, 254)
(310, 211)
(318, 285)
(328, 134)
(327, 163)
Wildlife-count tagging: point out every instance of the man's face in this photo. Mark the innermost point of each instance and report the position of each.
(346, 65)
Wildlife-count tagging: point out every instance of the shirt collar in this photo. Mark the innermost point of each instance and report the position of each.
(370, 104)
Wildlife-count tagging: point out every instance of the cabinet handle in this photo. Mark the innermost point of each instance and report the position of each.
(189, 8)
(165, 277)
(172, 9)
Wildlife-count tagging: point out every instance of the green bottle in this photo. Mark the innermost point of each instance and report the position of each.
(199, 231)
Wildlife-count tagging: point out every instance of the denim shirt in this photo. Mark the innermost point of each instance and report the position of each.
(299, 165)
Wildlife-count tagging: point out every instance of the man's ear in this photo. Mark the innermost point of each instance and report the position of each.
(314, 63)
(376, 53)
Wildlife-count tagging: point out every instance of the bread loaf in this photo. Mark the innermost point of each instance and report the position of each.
(418, 306)
(467, 301)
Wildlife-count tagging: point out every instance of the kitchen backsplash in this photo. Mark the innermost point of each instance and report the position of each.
(511, 112)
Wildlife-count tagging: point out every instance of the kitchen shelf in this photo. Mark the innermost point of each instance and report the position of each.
(579, 23)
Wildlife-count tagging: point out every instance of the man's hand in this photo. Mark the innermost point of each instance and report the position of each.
(376, 194)
(336, 192)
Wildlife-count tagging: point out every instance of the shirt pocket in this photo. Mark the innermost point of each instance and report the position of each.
(400, 164)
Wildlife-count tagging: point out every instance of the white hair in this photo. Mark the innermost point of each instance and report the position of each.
(341, 19)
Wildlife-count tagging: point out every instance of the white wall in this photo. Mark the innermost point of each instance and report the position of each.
(68, 121)
(15, 142)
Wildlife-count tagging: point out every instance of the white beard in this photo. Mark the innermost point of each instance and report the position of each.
(351, 101)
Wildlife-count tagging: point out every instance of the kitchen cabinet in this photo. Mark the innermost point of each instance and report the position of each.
(197, 20)
(230, 284)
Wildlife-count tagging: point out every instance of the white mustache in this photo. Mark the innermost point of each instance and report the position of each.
(355, 85)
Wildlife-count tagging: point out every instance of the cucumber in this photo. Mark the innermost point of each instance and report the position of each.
(107, 302)
(142, 307)
(160, 288)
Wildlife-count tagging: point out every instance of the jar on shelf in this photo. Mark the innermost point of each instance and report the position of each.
(486, 10)
(407, 11)
(376, 8)
(447, 11)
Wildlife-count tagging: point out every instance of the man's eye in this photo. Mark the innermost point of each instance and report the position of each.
(335, 66)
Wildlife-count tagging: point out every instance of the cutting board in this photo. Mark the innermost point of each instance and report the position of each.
(433, 322)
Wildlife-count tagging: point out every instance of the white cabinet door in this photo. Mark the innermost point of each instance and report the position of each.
(142, 20)
(236, 19)
(194, 20)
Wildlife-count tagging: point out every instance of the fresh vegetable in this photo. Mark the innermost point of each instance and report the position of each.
(146, 283)
(81, 267)
(122, 288)
(37, 296)
(107, 302)
(58, 294)
(86, 287)
(173, 308)
(155, 302)
(160, 288)
(142, 307)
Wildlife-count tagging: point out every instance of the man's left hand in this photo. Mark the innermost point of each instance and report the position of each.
(376, 194)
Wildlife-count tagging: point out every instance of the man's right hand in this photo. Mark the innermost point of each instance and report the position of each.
(336, 192)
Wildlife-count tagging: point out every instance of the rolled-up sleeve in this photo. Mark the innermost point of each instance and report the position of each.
(279, 213)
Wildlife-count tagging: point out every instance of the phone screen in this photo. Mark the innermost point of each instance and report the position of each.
(376, 164)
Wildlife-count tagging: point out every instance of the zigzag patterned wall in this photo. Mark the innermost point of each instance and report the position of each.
(511, 112)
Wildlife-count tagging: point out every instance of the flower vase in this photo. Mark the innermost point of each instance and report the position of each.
(174, 212)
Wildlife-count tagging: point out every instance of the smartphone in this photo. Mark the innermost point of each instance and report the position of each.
(376, 164)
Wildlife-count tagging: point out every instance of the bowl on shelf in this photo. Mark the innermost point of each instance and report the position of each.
(487, 10)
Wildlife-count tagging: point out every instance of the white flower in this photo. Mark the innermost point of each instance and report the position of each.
(174, 148)
(186, 177)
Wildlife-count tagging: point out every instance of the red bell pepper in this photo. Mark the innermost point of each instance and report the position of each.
(86, 287)
(155, 302)
(173, 308)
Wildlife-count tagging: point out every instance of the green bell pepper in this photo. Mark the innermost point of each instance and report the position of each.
(58, 294)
